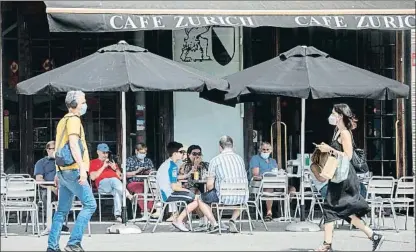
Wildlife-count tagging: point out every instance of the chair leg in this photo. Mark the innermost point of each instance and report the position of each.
(394, 216)
(219, 218)
(249, 220)
(27, 220)
(407, 216)
(241, 218)
(99, 208)
(37, 221)
(89, 228)
(261, 218)
(188, 214)
(148, 219)
(6, 223)
(160, 217)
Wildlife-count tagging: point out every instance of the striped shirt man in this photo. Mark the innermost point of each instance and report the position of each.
(230, 167)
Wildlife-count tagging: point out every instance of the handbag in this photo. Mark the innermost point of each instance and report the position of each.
(63, 155)
(329, 167)
(359, 158)
(341, 172)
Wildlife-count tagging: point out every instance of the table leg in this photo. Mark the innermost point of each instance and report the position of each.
(48, 210)
(146, 190)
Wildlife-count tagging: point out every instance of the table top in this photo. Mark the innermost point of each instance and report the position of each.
(45, 182)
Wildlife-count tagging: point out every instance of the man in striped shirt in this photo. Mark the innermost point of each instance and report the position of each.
(230, 167)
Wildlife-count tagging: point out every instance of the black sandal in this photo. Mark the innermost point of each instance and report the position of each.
(268, 218)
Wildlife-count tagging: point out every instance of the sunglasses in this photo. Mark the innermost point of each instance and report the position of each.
(196, 154)
(182, 152)
(51, 148)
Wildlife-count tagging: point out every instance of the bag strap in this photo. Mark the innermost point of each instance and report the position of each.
(61, 138)
(353, 142)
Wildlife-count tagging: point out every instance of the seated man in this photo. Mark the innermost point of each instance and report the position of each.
(106, 175)
(171, 189)
(260, 164)
(139, 164)
(45, 170)
(225, 166)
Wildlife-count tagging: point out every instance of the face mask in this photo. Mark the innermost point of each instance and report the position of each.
(332, 119)
(83, 109)
(265, 155)
(140, 156)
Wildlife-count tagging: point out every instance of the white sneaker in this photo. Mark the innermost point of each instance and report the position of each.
(118, 219)
(180, 226)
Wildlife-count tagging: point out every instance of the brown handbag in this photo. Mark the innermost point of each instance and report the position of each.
(327, 163)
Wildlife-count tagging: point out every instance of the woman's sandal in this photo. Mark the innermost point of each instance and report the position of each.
(325, 247)
(268, 218)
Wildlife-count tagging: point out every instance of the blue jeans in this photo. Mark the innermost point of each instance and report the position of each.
(68, 188)
(115, 187)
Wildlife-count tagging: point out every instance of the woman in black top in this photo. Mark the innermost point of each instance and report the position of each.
(343, 200)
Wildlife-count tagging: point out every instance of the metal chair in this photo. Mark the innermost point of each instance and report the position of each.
(235, 187)
(405, 188)
(278, 184)
(21, 197)
(154, 184)
(254, 193)
(99, 196)
(379, 193)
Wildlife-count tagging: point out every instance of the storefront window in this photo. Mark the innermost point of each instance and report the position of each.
(11, 126)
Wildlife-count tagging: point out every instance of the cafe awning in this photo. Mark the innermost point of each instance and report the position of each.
(110, 16)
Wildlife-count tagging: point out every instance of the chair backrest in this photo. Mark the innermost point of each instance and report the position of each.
(379, 186)
(274, 181)
(233, 187)
(405, 187)
(154, 187)
(18, 188)
(9, 176)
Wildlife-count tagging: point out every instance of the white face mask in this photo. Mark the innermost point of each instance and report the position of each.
(179, 162)
(83, 109)
(140, 156)
(332, 119)
(265, 155)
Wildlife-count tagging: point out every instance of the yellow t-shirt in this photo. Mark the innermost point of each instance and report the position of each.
(73, 127)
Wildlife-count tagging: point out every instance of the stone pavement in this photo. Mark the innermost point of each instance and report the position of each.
(166, 239)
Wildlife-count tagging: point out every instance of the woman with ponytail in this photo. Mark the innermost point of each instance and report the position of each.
(343, 200)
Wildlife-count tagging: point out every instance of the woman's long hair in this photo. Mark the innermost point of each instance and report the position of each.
(189, 151)
(349, 119)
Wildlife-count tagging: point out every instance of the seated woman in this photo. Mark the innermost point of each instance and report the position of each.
(139, 164)
(192, 164)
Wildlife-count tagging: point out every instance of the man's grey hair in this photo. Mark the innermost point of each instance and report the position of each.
(226, 142)
(73, 96)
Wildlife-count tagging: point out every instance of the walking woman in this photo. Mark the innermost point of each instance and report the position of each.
(343, 200)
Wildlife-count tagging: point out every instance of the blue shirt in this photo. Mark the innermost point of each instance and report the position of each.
(167, 175)
(46, 167)
(262, 164)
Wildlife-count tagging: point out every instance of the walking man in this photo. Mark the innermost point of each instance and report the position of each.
(72, 179)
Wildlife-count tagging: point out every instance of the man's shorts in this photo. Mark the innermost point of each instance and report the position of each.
(210, 197)
(188, 197)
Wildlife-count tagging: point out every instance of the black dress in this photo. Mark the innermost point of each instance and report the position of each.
(344, 199)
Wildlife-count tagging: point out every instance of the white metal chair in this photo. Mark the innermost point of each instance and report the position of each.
(254, 193)
(317, 199)
(379, 194)
(235, 187)
(405, 188)
(100, 196)
(308, 195)
(21, 197)
(146, 196)
(154, 184)
(279, 186)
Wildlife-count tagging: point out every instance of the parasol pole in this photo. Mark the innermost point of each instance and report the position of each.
(125, 227)
(303, 225)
